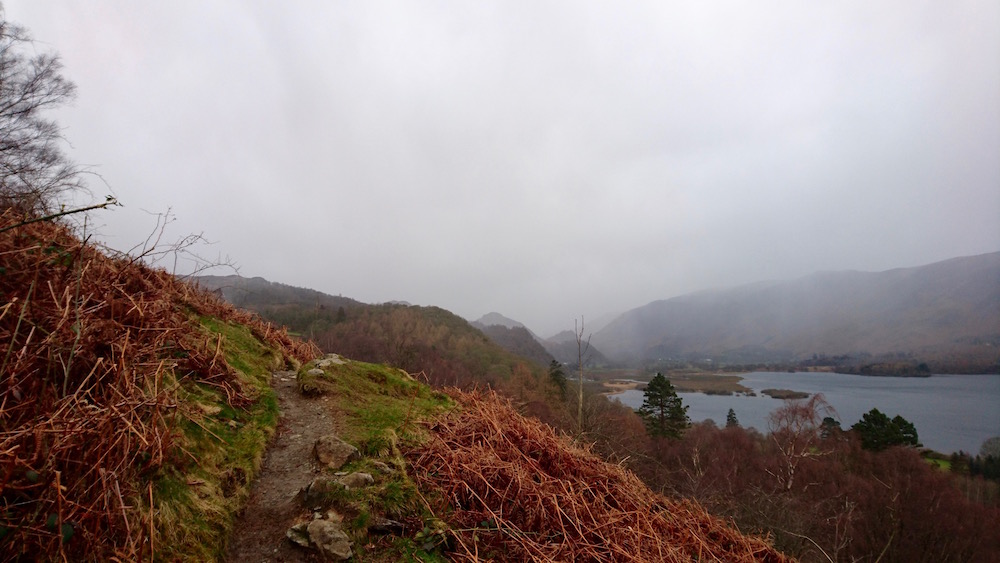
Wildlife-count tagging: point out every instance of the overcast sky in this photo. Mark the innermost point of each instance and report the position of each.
(542, 159)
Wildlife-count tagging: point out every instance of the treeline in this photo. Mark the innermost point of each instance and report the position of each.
(441, 345)
(822, 496)
(898, 365)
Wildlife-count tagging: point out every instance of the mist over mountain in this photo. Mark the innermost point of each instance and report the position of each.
(562, 347)
(566, 352)
(942, 312)
(496, 319)
(518, 340)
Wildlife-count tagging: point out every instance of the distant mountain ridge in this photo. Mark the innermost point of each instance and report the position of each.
(561, 347)
(258, 292)
(941, 311)
(518, 340)
(496, 319)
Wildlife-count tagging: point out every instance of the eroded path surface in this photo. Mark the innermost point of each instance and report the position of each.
(259, 533)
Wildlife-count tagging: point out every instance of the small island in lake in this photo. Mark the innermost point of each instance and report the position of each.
(785, 394)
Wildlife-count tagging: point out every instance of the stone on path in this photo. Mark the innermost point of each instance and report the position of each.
(298, 535)
(327, 536)
(318, 491)
(330, 539)
(333, 452)
(357, 480)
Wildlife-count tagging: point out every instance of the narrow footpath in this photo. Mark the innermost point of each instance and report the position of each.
(259, 533)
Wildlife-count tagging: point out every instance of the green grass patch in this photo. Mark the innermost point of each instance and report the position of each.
(942, 464)
(220, 449)
(937, 459)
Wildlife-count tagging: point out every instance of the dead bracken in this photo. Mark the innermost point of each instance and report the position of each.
(95, 348)
(511, 487)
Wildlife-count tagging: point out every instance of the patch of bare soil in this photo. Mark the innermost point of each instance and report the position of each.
(259, 533)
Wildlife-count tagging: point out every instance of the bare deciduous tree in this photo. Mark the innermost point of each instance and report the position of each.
(34, 171)
(582, 347)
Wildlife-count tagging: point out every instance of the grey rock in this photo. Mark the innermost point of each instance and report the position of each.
(316, 372)
(318, 492)
(357, 480)
(383, 467)
(298, 535)
(330, 539)
(330, 361)
(333, 452)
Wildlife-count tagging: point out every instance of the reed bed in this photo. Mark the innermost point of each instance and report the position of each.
(93, 348)
(514, 490)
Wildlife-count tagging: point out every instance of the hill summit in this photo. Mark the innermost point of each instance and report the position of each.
(496, 319)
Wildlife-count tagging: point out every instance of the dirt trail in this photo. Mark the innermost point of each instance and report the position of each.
(259, 533)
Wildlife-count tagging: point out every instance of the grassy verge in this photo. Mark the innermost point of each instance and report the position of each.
(379, 409)
(195, 498)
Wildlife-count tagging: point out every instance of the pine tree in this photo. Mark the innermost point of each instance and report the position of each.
(878, 432)
(662, 410)
(731, 420)
(558, 378)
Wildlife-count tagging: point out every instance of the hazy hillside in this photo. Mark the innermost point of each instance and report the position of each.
(306, 312)
(517, 340)
(943, 312)
(496, 319)
(258, 292)
(563, 348)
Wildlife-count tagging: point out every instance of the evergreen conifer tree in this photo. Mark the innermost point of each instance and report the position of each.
(662, 410)
(558, 378)
(731, 420)
(878, 432)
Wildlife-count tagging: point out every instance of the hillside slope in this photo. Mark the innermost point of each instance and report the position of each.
(511, 335)
(570, 505)
(134, 408)
(304, 311)
(563, 347)
(446, 348)
(940, 312)
(517, 340)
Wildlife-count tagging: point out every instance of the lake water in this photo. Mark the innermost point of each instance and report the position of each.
(950, 412)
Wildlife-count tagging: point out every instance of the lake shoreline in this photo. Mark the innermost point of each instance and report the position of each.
(951, 412)
(729, 384)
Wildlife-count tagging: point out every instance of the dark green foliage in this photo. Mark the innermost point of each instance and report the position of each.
(830, 427)
(662, 410)
(878, 432)
(731, 419)
(558, 378)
